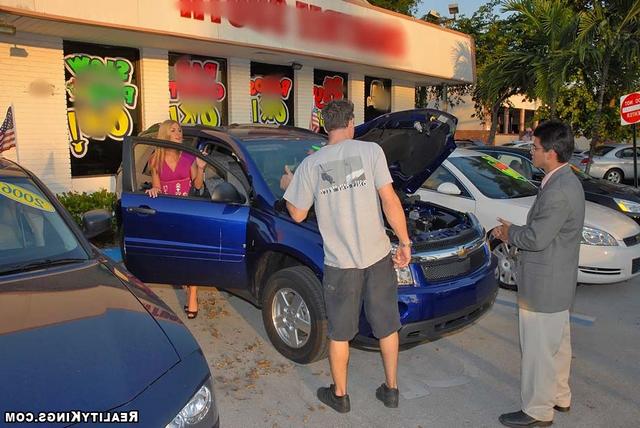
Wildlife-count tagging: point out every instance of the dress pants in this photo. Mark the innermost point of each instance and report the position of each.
(545, 341)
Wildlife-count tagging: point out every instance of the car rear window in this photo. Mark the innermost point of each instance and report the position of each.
(602, 150)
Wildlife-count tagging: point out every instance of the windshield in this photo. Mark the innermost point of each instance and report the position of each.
(493, 178)
(32, 233)
(271, 157)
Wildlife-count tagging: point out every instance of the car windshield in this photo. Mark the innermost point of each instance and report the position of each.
(271, 157)
(493, 178)
(32, 233)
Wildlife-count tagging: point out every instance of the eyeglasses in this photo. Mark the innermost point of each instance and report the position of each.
(534, 148)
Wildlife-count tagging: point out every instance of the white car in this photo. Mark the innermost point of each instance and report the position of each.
(474, 182)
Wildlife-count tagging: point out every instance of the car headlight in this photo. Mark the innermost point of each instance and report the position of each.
(628, 206)
(196, 409)
(591, 236)
(403, 275)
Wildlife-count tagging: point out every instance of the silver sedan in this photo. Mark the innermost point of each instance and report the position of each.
(613, 162)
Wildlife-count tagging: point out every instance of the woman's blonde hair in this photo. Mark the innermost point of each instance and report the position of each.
(163, 134)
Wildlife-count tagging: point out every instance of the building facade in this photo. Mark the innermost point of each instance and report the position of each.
(83, 75)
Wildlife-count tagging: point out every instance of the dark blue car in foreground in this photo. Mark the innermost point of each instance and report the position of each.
(81, 335)
(236, 236)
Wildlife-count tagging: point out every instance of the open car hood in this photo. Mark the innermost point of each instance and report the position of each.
(415, 142)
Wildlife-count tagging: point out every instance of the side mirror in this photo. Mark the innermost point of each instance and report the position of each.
(449, 189)
(96, 222)
(227, 193)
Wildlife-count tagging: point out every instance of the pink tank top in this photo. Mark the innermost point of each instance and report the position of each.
(178, 181)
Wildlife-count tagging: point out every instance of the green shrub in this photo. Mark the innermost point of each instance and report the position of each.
(79, 203)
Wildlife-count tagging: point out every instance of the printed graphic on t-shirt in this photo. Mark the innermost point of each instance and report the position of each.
(336, 176)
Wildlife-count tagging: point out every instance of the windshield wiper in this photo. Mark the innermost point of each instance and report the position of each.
(24, 267)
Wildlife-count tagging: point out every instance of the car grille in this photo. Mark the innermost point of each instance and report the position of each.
(632, 240)
(635, 266)
(442, 270)
(463, 238)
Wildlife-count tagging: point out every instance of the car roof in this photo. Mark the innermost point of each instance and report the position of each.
(11, 169)
(508, 149)
(462, 153)
(258, 132)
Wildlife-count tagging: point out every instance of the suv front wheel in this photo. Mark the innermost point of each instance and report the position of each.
(294, 316)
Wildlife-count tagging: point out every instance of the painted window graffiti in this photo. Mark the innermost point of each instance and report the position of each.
(102, 105)
(327, 86)
(377, 97)
(198, 90)
(271, 93)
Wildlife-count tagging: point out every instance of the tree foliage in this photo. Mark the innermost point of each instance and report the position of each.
(408, 7)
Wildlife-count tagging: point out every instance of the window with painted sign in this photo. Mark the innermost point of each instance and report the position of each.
(271, 92)
(377, 97)
(198, 90)
(102, 105)
(327, 86)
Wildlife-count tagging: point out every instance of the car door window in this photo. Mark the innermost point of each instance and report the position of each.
(626, 154)
(178, 179)
(517, 163)
(443, 175)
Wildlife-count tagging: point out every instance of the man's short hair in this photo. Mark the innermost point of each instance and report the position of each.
(337, 114)
(557, 136)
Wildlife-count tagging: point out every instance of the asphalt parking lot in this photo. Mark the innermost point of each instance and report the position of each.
(464, 380)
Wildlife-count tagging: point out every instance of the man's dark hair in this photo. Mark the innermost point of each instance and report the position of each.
(337, 114)
(557, 136)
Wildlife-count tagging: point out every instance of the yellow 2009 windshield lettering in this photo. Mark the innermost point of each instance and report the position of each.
(25, 197)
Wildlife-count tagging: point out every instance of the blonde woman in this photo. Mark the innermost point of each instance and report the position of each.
(174, 172)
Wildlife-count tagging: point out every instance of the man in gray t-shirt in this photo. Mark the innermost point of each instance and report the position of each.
(349, 184)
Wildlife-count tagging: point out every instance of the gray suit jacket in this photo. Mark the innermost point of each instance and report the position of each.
(549, 245)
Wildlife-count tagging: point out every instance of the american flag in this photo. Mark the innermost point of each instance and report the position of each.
(7, 132)
(314, 123)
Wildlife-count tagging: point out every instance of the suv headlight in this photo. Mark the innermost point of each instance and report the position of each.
(592, 236)
(198, 407)
(628, 206)
(403, 275)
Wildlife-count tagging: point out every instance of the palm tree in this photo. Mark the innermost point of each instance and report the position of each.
(547, 49)
(607, 32)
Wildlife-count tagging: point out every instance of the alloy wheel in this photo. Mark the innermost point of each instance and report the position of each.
(290, 317)
(506, 270)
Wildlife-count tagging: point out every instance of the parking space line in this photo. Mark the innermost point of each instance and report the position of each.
(575, 317)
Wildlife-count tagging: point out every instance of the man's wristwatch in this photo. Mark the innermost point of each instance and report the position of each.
(405, 244)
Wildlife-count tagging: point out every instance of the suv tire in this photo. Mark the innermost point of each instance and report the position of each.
(294, 316)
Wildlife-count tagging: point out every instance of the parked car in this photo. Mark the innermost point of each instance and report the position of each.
(478, 183)
(613, 162)
(466, 143)
(77, 332)
(619, 197)
(238, 236)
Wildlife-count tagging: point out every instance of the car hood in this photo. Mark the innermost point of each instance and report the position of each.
(76, 338)
(613, 222)
(600, 217)
(415, 142)
(607, 188)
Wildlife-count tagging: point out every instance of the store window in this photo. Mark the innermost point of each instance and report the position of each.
(327, 86)
(377, 97)
(102, 105)
(198, 90)
(271, 92)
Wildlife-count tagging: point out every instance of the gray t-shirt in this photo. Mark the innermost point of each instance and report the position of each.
(342, 181)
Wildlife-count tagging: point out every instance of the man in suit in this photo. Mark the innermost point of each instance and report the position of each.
(549, 246)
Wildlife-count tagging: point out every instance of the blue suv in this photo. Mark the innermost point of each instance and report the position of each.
(234, 234)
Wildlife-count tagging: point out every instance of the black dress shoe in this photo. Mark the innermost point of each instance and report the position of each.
(521, 419)
(561, 409)
(328, 396)
(389, 396)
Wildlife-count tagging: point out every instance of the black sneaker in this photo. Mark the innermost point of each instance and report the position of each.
(389, 396)
(328, 396)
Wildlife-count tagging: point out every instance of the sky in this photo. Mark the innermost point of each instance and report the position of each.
(467, 7)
